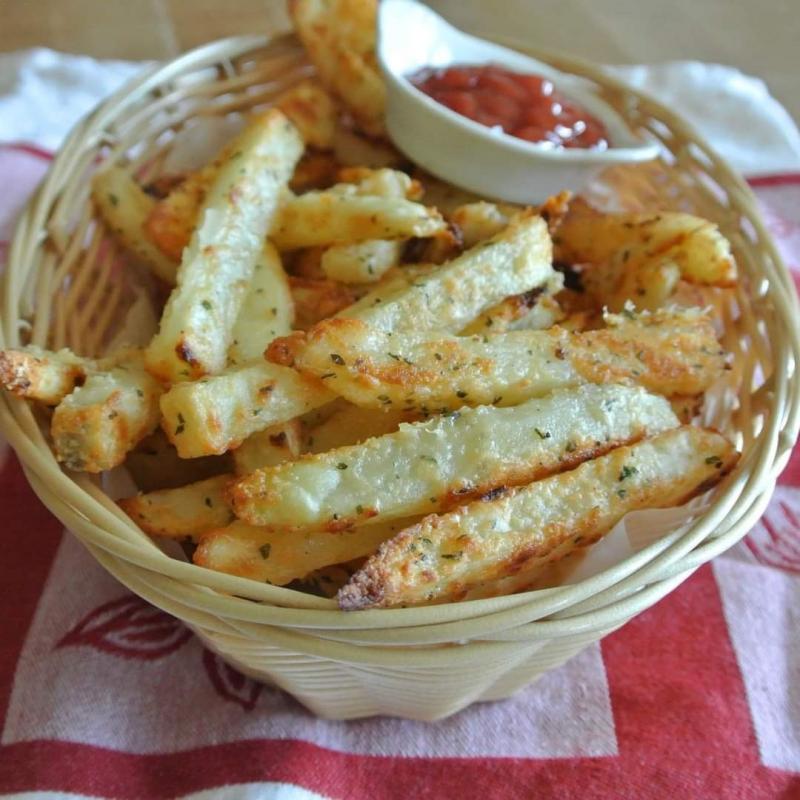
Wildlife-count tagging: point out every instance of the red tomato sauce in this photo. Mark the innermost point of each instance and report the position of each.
(526, 106)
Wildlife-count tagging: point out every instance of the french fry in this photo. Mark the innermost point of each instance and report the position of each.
(449, 297)
(269, 447)
(368, 261)
(172, 220)
(339, 38)
(530, 311)
(95, 427)
(431, 466)
(42, 375)
(218, 413)
(364, 262)
(280, 558)
(196, 327)
(441, 558)
(648, 285)
(313, 112)
(395, 282)
(481, 220)
(677, 348)
(267, 311)
(315, 300)
(383, 182)
(125, 209)
(437, 250)
(695, 245)
(669, 352)
(353, 425)
(187, 511)
(181, 513)
(333, 216)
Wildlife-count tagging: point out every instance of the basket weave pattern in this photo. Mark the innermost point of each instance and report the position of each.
(64, 286)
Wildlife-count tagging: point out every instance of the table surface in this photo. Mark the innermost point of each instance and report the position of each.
(762, 42)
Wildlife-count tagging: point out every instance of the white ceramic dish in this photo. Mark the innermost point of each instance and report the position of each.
(466, 153)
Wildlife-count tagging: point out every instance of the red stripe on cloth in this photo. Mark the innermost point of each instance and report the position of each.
(679, 702)
(791, 472)
(31, 149)
(29, 536)
(785, 179)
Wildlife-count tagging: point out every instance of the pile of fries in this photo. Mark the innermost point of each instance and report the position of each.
(369, 384)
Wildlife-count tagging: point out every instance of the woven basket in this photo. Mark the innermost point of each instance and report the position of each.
(63, 287)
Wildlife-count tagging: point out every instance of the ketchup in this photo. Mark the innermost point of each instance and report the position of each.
(525, 106)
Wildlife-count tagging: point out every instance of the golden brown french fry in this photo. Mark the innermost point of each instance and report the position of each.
(315, 300)
(530, 311)
(646, 285)
(394, 283)
(96, 426)
(669, 352)
(42, 375)
(431, 466)
(516, 260)
(188, 510)
(695, 245)
(353, 425)
(382, 182)
(196, 327)
(125, 208)
(441, 558)
(181, 513)
(364, 262)
(280, 558)
(368, 261)
(481, 220)
(218, 413)
(172, 220)
(269, 447)
(313, 112)
(339, 38)
(333, 216)
(267, 311)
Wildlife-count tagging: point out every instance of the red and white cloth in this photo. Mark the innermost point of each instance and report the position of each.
(102, 695)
